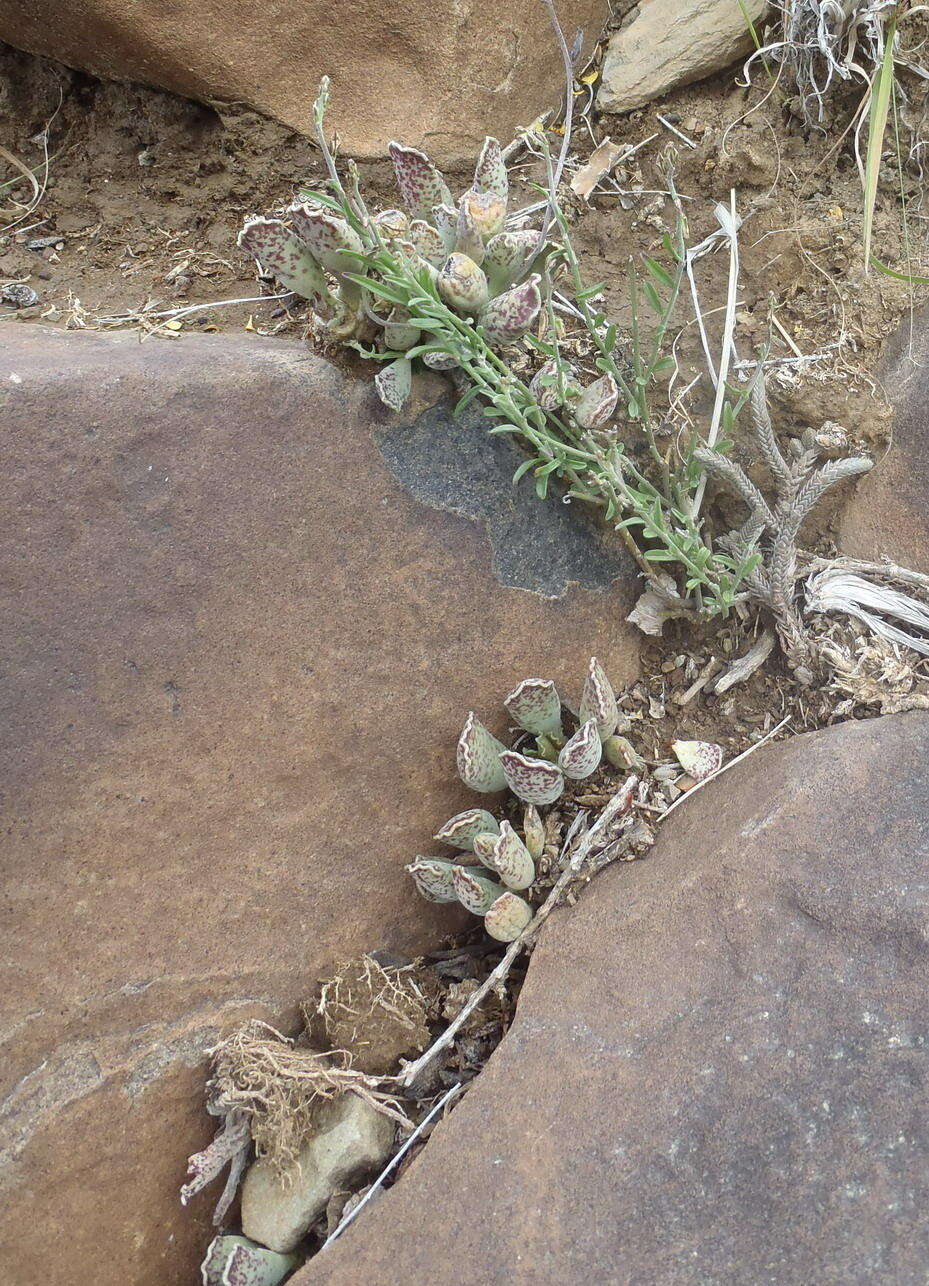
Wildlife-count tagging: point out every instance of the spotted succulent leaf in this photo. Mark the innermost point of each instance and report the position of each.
(597, 403)
(534, 781)
(507, 917)
(509, 255)
(332, 241)
(462, 284)
(467, 235)
(460, 830)
(236, 1261)
(486, 211)
(510, 315)
(581, 754)
(544, 386)
(428, 242)
(394, 382)
(598, 700)
(512, 860)
(433, 877)
(536, 706)
(699, 759)
(484, 845)
(399, 333)
(533, 832)
(440, 361)
(445, 221)
(420, 183)
(479, 757)
(490, 172)
(475, 892)
(392, 224)
(286, 257)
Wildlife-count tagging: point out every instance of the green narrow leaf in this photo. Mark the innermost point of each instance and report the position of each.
(661, 275)
(898, 276)
(878, 108)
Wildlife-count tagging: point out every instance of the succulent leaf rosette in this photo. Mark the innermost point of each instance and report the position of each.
(330, 249)
(494, 865)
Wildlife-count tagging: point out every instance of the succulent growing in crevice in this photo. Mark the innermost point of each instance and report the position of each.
(463, 250)
(236, 1261)
(509, 860)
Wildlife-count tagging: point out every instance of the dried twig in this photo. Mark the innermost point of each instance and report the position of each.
(392, 1164)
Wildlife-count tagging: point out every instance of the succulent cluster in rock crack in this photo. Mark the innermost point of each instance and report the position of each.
(484, 271)
(481, 269)
(494, 865)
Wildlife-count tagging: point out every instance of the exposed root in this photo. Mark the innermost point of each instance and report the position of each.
(279, 1088)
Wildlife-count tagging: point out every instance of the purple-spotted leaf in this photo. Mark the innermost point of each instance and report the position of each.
(544, 386)
(468, 240)
(475, 892)
(428, 242)
(534, 781)
(533, 832)
(698, 758)
(484, 845)
(462, 284)
(479, 757)
(331, 240)
(460, 830)
(486, 211)
(512, 860)
(236, 1261)
(392, 224)
(509, 255)
(445, 221)
(490, 172)
(597, 403)
(509, 316)
(536, 706)
(393, 383)
(420, 183)
(282, 254)
(433, 878)
(580, 756)
(598, 700)
(440, 361)
(506, 918)
(399, 334)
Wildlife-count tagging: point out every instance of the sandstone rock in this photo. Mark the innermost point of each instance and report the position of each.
(717, 1071)
(236, 653)
(886, 515)
(670, 43)
(435, 75)
(352, 1139)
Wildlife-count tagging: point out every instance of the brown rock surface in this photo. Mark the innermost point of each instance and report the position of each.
(440, 75)
(235, 655)
(887, 514)
(717, 1073)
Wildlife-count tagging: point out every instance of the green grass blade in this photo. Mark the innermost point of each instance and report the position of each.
(878, 109)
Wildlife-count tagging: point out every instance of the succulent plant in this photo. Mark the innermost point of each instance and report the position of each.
(236, 1261)
(699, 759)
(486, 765)
(481, 269)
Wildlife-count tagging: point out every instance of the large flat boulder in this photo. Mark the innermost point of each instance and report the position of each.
(717, 1074)
(244, 611)
(439, 75)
